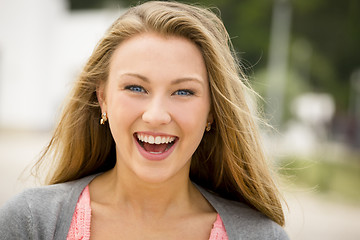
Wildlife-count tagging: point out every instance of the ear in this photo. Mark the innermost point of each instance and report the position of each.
(100, 94)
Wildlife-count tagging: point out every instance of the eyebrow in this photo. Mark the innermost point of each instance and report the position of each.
(174, 82)
(141, 77)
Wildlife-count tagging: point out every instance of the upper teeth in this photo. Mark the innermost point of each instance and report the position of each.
(154, 140)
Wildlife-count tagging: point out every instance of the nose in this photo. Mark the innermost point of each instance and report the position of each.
(156, 112)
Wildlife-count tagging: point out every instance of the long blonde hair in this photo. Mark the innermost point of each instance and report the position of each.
(229, 160)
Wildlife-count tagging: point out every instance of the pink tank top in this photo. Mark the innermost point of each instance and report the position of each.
(80, 224)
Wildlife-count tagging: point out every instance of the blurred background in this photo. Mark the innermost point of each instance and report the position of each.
(302, 57)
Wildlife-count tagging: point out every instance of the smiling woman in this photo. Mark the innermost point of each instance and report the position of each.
(153, 80)
(156, 141)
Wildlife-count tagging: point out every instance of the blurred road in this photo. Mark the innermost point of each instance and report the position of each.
(314, 217)
(310, 217)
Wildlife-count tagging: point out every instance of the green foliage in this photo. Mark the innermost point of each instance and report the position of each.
(341, 179)
(331, 28)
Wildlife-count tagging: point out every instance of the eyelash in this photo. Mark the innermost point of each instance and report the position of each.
(133, 87)
(139, 89)
(187, 92)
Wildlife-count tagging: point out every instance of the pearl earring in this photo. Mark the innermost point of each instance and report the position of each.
(208, 126)
(103, 118)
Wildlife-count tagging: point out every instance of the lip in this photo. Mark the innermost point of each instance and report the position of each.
(152, 156)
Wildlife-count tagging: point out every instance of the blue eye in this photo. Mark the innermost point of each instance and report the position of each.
(135, 88)
(184, 92)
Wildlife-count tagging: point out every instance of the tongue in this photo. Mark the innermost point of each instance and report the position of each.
(157, 148)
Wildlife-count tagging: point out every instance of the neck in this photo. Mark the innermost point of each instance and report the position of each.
(144, 199)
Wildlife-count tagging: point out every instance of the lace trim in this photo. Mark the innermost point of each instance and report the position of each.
(80, 224)
(218, 232)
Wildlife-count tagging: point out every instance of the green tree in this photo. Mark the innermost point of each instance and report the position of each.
(331, 29)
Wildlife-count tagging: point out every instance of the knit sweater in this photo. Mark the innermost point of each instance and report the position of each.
(46, 213)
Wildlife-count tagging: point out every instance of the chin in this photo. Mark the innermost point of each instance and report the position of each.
(159, 176)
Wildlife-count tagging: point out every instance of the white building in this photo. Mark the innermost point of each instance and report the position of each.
(42, 48)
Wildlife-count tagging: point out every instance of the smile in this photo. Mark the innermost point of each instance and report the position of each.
(155, 140)
(155, 147)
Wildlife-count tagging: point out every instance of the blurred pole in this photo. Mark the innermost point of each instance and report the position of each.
(278, 61)
(355, 103)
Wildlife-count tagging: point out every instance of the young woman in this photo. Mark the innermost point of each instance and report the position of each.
(155, 142)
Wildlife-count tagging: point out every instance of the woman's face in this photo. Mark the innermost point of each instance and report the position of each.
(158, 103)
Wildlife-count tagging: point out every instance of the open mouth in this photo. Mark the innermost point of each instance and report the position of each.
(155, 144)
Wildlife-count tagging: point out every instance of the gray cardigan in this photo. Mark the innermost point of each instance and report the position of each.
(46, 213)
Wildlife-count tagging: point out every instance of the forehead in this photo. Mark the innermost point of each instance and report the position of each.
(150, 53)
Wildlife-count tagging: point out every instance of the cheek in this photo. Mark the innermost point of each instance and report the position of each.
(123, 110)
(192, 115)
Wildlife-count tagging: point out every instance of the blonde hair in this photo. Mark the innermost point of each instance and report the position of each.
(229, 160)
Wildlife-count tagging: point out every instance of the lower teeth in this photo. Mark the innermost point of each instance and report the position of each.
(155, 152)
